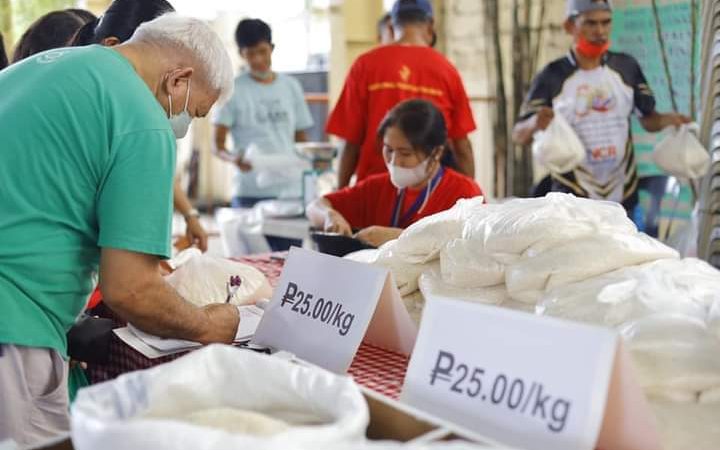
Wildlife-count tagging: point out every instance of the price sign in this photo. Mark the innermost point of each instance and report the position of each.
(324, 306)
(526, 381)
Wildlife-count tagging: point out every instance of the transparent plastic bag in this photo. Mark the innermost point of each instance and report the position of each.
(273, 168)
(558, 147)
(422, 241)
(515, 226)
(463, 265)
(431, 283)
(202, 279)
(680, 153)
(673, 352)
(580, 259)
(320, 408)
(685, 287)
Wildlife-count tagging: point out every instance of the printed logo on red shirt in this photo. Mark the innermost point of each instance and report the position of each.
(405, 73)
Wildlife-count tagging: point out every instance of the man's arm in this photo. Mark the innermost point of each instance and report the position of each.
(219, 148)
(195, 232)
(655, 121)
(523, 131)
(132, 286)
(464, 156)
(222, 152)
(348, 162)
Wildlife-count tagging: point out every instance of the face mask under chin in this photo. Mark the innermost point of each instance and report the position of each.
(262, 75)
(590, 49)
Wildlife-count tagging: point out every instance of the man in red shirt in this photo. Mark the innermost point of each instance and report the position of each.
(389, 74)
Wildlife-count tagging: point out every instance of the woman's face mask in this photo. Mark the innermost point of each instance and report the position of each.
(402, 177)
(406, 166)
(180, 123)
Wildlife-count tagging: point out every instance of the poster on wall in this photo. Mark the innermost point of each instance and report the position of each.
(635, 32)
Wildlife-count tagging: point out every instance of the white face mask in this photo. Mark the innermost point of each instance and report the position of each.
(181, 122)
(402, 177)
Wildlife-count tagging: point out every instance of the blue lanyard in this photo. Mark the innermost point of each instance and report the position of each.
(424, 195)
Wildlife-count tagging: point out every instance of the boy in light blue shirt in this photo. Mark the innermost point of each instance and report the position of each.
(266, 116)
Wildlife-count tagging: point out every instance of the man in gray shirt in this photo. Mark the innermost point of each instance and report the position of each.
(266, 115)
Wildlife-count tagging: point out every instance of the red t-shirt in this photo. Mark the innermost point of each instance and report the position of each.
(371, 201)
(382, 78)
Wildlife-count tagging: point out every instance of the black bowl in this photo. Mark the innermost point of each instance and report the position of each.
(337, 244)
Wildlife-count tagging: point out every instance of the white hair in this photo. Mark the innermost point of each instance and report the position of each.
(198, 40)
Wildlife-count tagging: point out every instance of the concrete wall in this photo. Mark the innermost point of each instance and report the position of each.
(469, 47)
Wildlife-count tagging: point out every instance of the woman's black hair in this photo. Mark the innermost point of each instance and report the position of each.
(251, 32)
(121, 20)
(54, 29)
(84, 14)
(420, 121)
(3, 55)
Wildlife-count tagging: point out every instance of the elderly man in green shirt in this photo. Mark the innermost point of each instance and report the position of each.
(87, 156)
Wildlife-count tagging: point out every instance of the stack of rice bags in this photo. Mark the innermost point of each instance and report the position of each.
(582, 260)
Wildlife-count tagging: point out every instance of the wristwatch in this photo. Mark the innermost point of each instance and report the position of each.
(192, 213)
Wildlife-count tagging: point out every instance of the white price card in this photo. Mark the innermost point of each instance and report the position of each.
(526, 381)
(324, 306)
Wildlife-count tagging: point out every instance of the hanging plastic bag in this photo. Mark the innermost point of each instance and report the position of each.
(148, 409)
(681, 154)
(558, 147)
(202, 279)
(273, 168)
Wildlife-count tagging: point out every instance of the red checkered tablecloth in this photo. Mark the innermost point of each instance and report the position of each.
(380, 370)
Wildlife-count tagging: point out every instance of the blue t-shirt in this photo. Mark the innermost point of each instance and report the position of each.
(266, 117)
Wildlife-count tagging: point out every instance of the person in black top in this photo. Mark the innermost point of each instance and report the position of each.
(53, 30)
(3, 54)
(596, 91)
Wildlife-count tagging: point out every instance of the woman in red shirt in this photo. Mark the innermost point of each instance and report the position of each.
(416, 184)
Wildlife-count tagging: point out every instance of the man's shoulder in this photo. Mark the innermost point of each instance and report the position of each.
(558, 70)
(379, 54)
(622, 62)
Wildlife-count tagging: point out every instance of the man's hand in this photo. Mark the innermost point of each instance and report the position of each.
(675, 120)
(543, 117)
(195, 233)
(655, 121)
(226, 319)
(377, 235)
(133, 288)
(336, 223)
(243, 165)
(523, 131)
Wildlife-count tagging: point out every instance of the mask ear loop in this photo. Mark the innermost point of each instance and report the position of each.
(430, 187)
(170, 108)
(187, 96)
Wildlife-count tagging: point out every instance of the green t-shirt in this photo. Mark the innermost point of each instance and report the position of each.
(87, 158)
